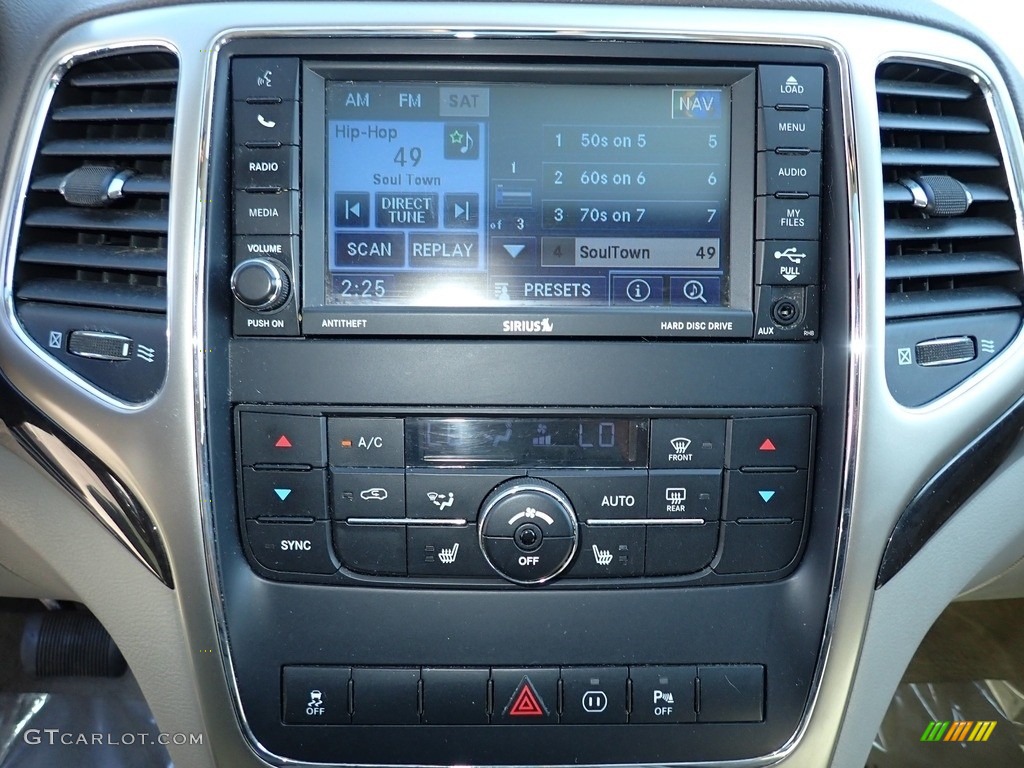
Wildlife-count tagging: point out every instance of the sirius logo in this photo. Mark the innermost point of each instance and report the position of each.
(528, 326)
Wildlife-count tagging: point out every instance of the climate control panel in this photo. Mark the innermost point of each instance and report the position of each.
(523, 500)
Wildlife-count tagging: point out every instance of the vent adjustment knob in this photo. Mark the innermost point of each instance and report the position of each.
(261, 284)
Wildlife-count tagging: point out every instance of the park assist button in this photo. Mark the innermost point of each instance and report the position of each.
(687, 443)
(358, 442)
(663, 694)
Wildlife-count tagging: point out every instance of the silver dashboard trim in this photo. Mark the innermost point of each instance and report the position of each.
(928, 435)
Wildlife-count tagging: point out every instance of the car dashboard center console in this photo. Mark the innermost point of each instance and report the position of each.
(530, 417)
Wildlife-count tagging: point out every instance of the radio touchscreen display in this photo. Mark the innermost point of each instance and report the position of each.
(518, 196)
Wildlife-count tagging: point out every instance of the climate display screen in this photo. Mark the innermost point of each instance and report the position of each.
(527, 195)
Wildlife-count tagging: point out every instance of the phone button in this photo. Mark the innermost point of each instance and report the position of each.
(266, 125)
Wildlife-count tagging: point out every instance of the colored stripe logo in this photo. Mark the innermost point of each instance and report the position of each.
(958, 730)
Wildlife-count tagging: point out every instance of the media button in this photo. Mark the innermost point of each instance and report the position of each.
(259, 213)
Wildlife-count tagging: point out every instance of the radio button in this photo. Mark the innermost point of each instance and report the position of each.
(687, 443)
(266, 214)
(265, 79)
(359, 442)
(788, 173)
(277, 438)
(373, 495)
(378, 550)
(783, 85)
(675, 550)
(790, 130)
(266, 125)
(267, 169)
(606, 495)
(291, 547)
(783, 219)
(691, 495)
(772, 441)
(447, 495)
(609, 552)
(442, 550)
(787, 262)
(276, 493)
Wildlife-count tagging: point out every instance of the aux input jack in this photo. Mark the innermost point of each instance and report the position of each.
(785, 312)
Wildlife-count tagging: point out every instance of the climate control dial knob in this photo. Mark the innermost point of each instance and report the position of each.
(528, 531)
(261, 285)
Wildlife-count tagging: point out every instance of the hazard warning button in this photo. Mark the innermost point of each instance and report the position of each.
(774, 441)
(525, 696)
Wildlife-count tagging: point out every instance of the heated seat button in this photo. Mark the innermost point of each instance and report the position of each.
(315, 695)
(766, 495)
(291, 547)
(378, 550)
(610, 552)
(385, 696)
(594, 695)
(525, 696)
(676, 550)
(455, 696)
(274, 438)
(663, 694)
(281, 493)
(372, 495)
(731, 693)
(358, 442)
(446, 550)
(687, 443)
(774, 441)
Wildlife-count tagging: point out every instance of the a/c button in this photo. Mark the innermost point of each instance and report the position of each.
(355, 442)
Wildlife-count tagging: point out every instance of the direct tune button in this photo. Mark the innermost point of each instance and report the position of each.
(528, 531)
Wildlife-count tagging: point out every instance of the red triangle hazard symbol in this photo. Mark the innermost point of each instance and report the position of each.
(525, 702)
(767, 445)
(283, 442)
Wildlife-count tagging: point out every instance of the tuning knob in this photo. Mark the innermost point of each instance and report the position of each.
(261, 285)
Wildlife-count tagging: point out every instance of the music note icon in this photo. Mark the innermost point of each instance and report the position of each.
(461, 141)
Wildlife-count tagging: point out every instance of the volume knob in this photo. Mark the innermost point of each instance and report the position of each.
(261, 284)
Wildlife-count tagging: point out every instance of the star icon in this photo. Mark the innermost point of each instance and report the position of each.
(455, 137)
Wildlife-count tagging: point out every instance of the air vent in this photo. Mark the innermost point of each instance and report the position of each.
(952, 255)
(91, 268)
